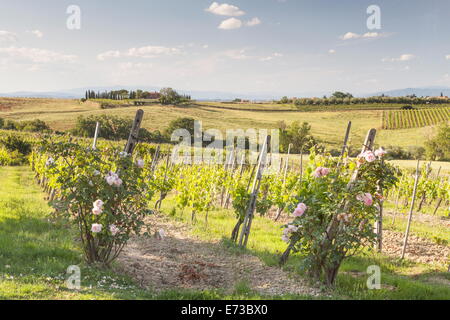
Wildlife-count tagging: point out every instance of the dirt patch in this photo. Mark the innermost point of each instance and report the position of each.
(181, 260)
(418, 249)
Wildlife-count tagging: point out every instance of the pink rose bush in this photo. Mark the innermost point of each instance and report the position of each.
(105, 193)
(332, 217)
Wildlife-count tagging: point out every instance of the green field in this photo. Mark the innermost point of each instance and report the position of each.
(328, 126)
(406, 119)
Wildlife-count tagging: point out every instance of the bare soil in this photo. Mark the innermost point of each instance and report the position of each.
(182, 261)
(418, 249)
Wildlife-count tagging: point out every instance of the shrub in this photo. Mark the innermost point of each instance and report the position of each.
(111, 127)
(15, 143)
(296, 134)
(105, 193)
(438, 147)
(333, 217)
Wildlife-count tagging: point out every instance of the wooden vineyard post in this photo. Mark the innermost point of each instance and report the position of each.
(408, 226)
(134, 133)
(243, 239)
(379, 222)
(97, 128)
(345, 144)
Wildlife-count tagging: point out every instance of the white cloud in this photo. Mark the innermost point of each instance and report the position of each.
(205, 46)
(230, 24)
(236, 54)
(6, 36)
(38, 33)
(331, 51)
(447, 57)
(406, 57)
(254, 22)
(126, 66)
(403, 57)
(142, 52)
(350, 35)
(371, 35)
(271, 57)
(225, 9)
(108, 54)
(367, 35)
(37, 55)
(151, 51)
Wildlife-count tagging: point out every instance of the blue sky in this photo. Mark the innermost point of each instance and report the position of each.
(245, 46)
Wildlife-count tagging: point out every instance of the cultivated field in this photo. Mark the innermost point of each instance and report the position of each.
(328, 126)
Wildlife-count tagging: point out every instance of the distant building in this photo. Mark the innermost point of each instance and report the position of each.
(151, 95)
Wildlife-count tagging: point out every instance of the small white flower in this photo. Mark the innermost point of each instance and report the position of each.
(50, 161)
(140, 163)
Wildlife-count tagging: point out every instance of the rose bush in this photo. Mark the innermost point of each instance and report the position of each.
(333, 216)
(104, 192)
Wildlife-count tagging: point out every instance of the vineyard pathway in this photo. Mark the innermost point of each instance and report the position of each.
(182, 261)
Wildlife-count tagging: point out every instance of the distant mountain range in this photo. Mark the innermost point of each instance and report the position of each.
(218, 95)
(420, 92)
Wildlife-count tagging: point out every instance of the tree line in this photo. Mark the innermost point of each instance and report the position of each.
(347, 98)
(165, 95)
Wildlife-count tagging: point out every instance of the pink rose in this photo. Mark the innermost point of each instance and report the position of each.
(98, 204)
(366, 198)
(118, 182)
(113, 229)
(97, 211)
(321, 172)
(96, 228)
(380, 153)
(300, 210)
(369, 156)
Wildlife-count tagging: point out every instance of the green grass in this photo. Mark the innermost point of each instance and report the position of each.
(401, 279)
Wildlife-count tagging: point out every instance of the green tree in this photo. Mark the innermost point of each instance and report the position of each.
(298, 134)
(438, 148)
